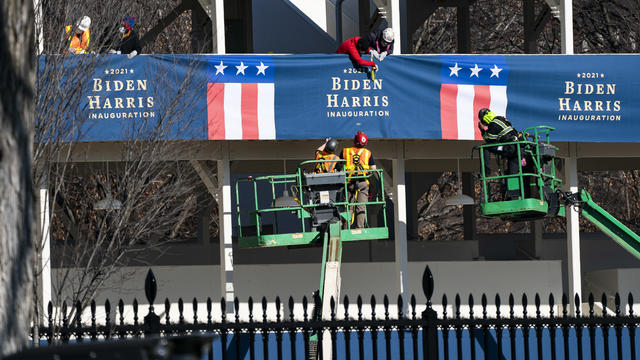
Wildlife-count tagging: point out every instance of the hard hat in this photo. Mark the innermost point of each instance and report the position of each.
(84, 23)
(486, 116)
(332, 145)
(360, 139)
(387, 35)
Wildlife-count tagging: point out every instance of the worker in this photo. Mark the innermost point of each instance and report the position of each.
(355, 47)
(358, 160)
(381, 42)
(497, 129)
(78, 36)
(326, 151)
(127, 41)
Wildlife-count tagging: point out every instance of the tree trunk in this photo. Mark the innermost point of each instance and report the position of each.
(17, 60)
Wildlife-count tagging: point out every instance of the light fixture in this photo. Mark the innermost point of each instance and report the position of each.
(285, 200)
(108, 203)
(459, 199)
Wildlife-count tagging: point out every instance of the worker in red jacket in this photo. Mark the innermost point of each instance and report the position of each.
(354, 47)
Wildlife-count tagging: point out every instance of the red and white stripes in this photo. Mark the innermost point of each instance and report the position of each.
(459, 106)
(241, 111)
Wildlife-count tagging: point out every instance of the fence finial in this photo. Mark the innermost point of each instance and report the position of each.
(427, 284)
(150, 287)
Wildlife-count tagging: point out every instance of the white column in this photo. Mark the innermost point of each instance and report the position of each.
(225, 223)
(400, 224)
(219, 26)
(397, 27)
(566, 26)
(45, 251)
(573, 233)
(37, 7)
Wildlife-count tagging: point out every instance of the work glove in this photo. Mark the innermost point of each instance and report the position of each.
(111, 51)
(375, 54)
(132, 54)
(382, 56)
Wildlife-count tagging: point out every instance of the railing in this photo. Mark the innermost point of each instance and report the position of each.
(506, 331)
(529, 149)
(293, 183)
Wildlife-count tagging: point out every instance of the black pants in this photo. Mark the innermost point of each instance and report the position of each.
(508, 152)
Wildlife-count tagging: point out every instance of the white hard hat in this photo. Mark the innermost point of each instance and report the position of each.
(387, 35)
(84, 23)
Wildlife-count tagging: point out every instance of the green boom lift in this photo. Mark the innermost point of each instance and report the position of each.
(324, 217)
(533, 192)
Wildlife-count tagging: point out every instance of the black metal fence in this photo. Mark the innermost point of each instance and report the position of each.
(426, 334)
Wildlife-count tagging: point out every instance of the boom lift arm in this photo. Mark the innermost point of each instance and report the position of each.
(604, 221)
(537, 189)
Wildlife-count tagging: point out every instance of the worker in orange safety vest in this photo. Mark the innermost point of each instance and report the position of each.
(359, 159)
(326, 151)
(78, 36)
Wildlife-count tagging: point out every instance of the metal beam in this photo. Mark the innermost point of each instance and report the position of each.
(468, 211)
(574, 273)
(364, 16)
(225, 225)
(152, 34)
(400, 226)
(208, 180)
(464, 28)
(529, 14)
(207, 7)
(543, 19)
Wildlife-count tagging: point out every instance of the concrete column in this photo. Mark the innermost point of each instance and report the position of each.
(573, 233)
(468, 211)
(538, 231)
(225, 223)
(45, 246)
(397, 26)
(218, 27)
(566, 26)
(400, 225)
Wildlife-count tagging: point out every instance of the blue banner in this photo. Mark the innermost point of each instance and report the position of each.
(587, 98)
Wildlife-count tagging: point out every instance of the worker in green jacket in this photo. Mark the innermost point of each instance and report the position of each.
(497, 129)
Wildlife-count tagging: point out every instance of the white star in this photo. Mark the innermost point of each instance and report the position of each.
(241, 68)
(495, 71)
(475, 70)
(132, 71)
(454, 70)
(220, 68)
(262, 68)
(106, 72)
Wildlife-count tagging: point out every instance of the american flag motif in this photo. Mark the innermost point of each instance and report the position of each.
(468, 84)
(240, 98)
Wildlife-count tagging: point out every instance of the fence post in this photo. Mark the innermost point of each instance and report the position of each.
(429, 316)
(151, 320)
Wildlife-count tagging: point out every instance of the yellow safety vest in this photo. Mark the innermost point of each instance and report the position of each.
(328, 166)
(357, 159)
(78, 44)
